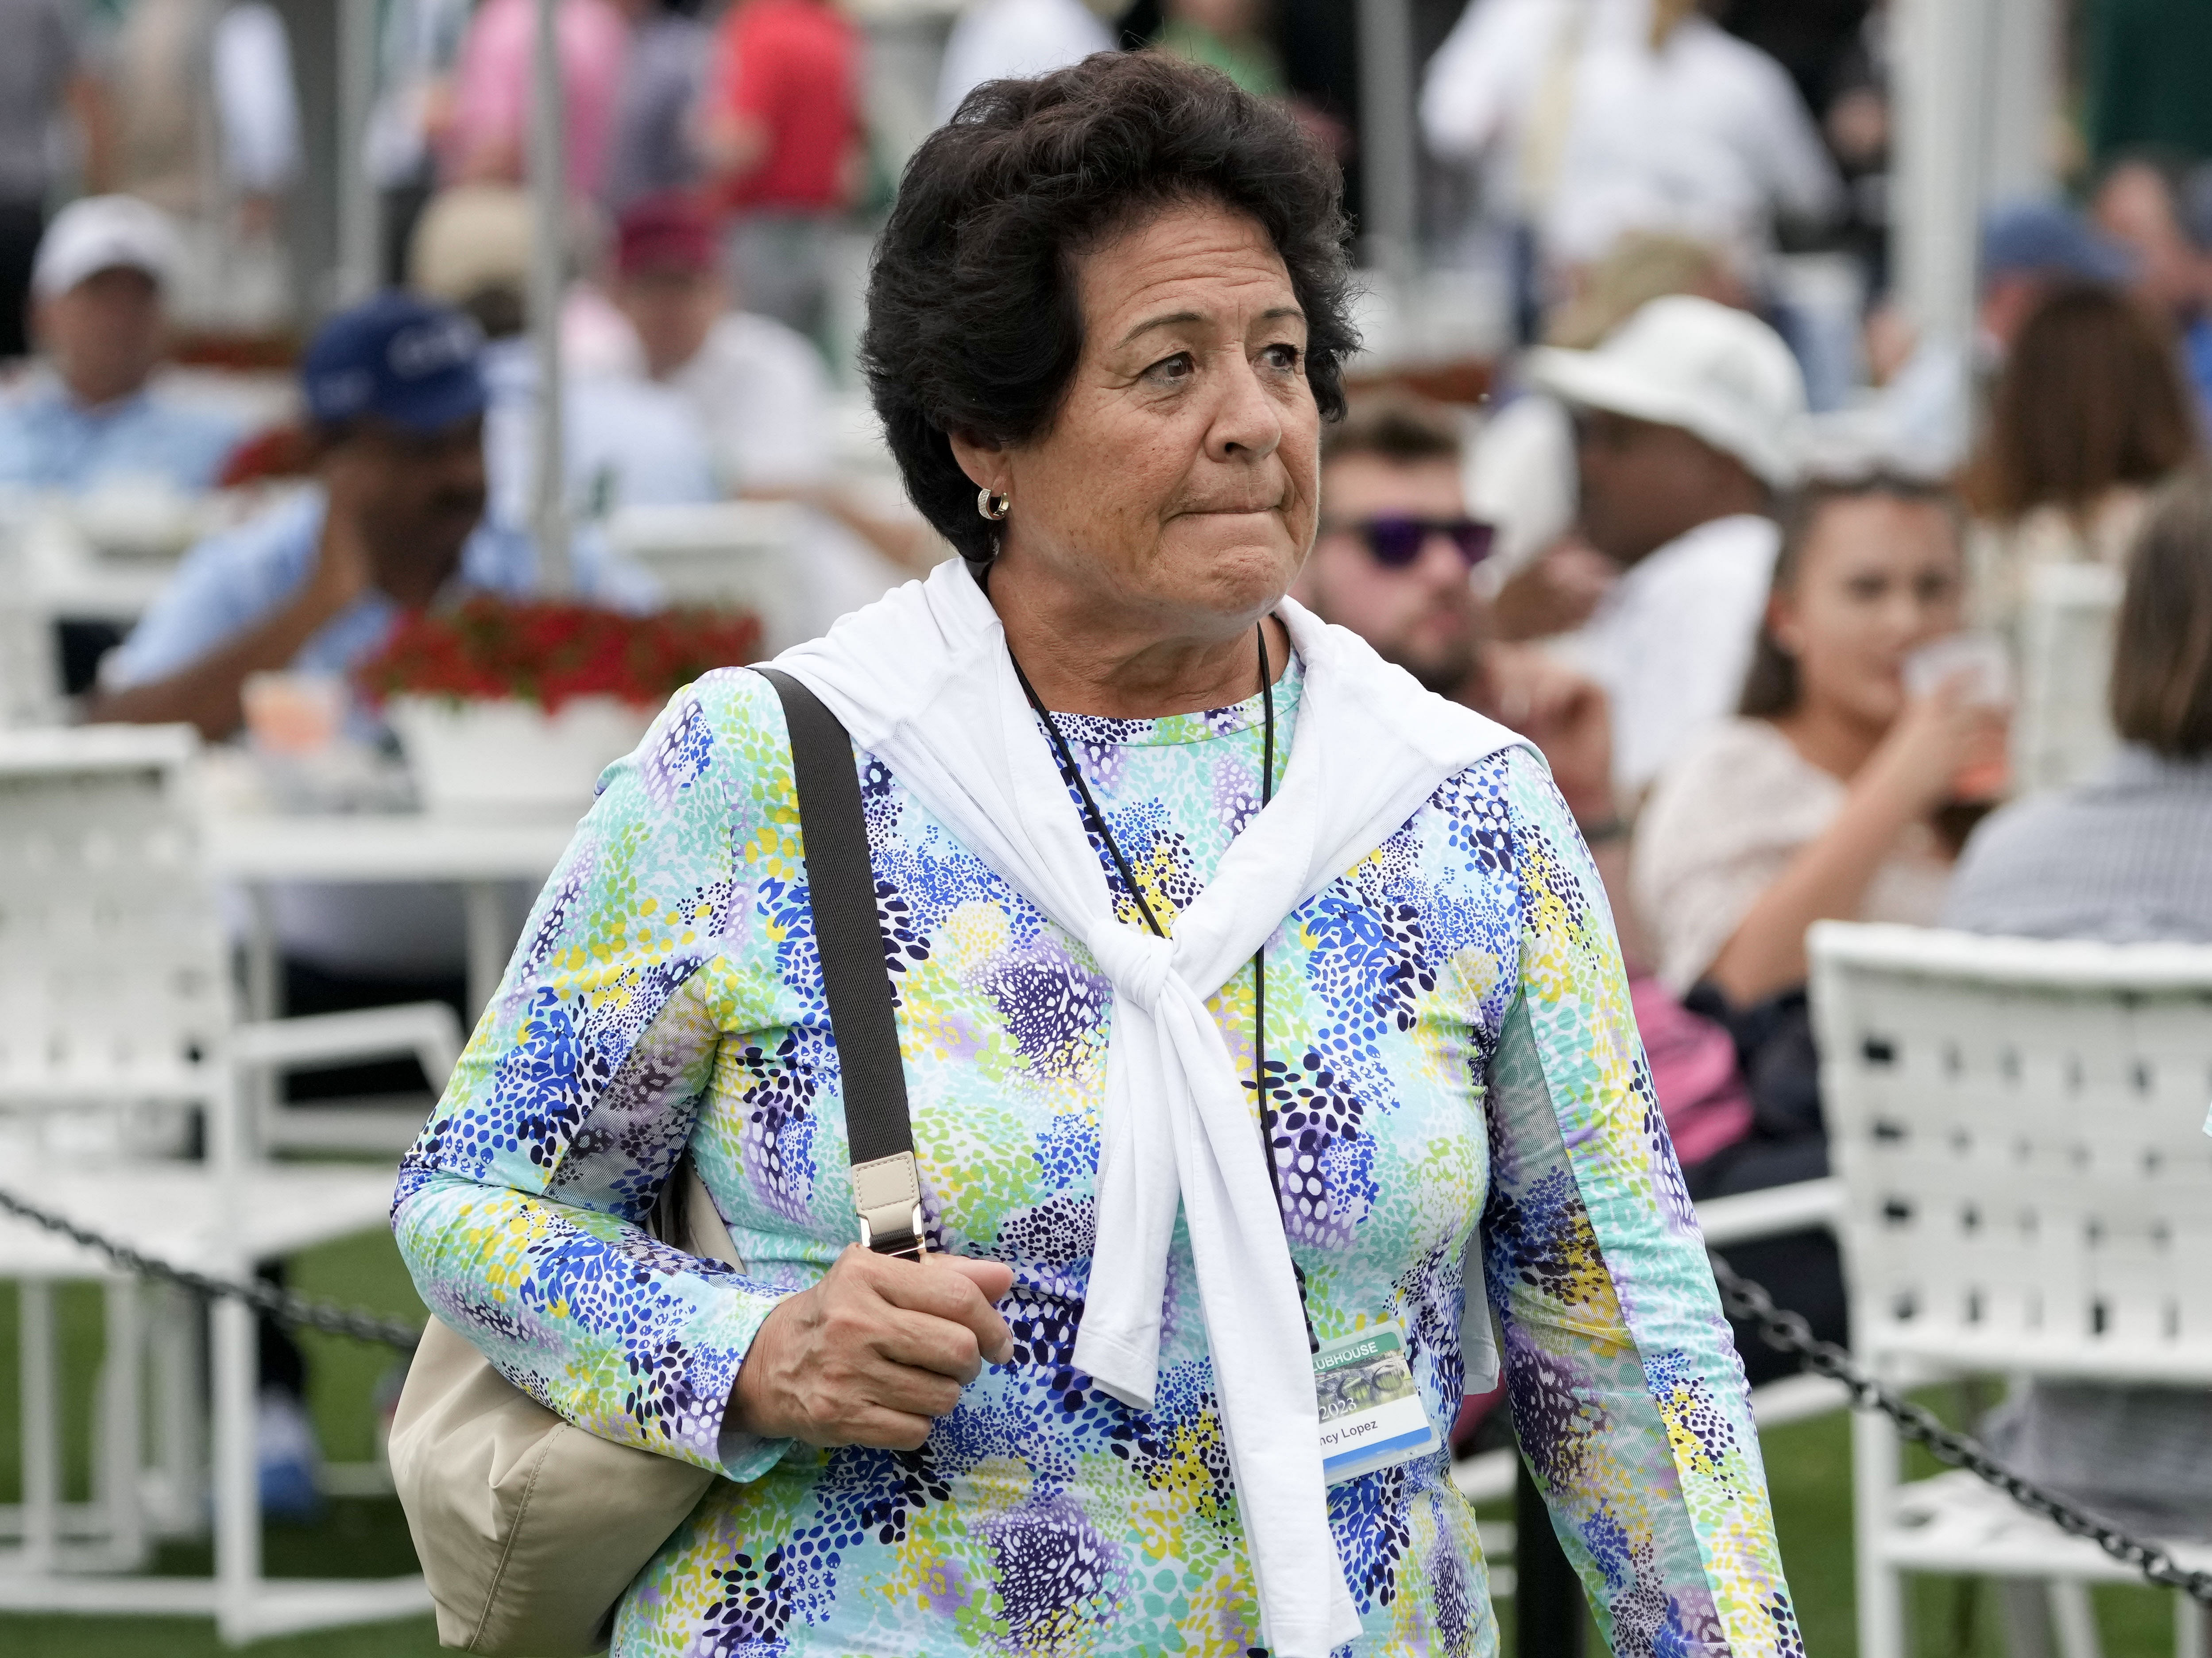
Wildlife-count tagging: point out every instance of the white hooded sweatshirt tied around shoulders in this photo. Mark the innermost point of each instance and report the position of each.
(923, 680)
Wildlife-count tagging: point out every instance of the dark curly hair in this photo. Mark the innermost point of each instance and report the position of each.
(973, 321)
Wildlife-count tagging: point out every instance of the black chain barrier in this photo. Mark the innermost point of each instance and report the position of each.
(282, 1305)
(1787, 1333)
(1778, 1327)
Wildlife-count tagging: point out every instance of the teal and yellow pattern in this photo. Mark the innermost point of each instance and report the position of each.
(1448, 1045)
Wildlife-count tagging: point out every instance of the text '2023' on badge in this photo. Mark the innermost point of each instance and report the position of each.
(1371, 1413)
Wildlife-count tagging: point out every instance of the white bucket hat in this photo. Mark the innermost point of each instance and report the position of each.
(1715, 372)
(105, 233)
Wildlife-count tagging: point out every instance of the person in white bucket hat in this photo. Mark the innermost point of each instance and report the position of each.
(1687, 423)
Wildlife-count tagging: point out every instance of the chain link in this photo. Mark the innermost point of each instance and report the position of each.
(282, 1305)
(1781, 1329)
(1787, 1333)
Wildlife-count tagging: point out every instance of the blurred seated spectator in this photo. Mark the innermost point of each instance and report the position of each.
(2029, 250)
(1392, 562)
(1816, 802)
(1686, 422)
(2129, 856)
(759, 393)
(395, 391)
(1930, 385)
(2125, 859)
(626, 441)
(93, 417)
(487, 137)
(757, 390)
(1521, 476)
(2161, 209)
(1010, 40)
(780, 128)
(2089, 415)
(654, 146)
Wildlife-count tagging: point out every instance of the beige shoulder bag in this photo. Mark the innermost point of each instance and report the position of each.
(529, 1529)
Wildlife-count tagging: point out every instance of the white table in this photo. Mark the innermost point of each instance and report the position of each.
(256, 849)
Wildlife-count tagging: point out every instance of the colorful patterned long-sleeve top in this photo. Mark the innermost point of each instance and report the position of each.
(1448, 1044)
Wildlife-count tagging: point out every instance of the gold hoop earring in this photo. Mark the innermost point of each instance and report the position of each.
(991, 506)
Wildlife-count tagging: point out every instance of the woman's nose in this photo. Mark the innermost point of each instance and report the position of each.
(1246, 426)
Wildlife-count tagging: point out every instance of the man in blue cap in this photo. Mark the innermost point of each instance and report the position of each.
(395, 393)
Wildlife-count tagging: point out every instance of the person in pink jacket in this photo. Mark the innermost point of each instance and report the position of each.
(488, 138)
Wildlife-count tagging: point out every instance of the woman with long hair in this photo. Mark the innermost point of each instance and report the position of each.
(2088, 415)
(1816, 802)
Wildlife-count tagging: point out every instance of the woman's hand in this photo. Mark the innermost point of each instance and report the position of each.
(873, 1352)
(1916, 766)
(1912, 771)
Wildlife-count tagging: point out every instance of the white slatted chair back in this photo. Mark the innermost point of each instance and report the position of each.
(2063, 733)
(30, 668)
(2020, 1129)
(30, 679)
(112, 963)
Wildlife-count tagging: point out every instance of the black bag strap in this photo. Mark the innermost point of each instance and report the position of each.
(840, 887)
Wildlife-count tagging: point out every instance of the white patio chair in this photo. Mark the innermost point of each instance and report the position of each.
(2028, 1191)
(2063, 733)
(121, 1052)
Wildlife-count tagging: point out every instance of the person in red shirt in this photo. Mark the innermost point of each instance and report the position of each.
(781, 133)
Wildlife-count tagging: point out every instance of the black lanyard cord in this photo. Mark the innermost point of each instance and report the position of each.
(1098, 825)
(1074, 774)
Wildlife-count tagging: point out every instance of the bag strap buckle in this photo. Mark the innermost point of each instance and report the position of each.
(887, 1197)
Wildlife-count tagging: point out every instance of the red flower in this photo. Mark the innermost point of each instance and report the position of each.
(547, 652)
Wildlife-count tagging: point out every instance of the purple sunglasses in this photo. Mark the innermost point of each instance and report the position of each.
(1394, 541)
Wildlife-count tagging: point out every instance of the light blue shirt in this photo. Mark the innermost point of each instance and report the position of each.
(230, 581)
(49, 441)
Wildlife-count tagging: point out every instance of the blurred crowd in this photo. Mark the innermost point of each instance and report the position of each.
(1756, 566)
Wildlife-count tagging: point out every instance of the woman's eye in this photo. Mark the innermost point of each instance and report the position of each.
(1172, 370)
(1282, 357)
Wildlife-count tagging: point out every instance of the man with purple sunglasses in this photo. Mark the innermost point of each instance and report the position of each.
(1396, 562)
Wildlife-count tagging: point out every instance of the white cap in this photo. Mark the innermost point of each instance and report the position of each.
(1715, 372)
(101, 233)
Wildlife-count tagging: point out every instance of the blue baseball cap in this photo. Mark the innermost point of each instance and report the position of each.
(400, 359)
(2045, 238)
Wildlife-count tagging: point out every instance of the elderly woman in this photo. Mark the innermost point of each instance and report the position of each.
(1240, 982)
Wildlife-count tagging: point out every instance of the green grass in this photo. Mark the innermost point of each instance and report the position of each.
(1808, 1467)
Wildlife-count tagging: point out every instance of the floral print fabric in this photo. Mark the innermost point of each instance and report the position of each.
(1448, 1044)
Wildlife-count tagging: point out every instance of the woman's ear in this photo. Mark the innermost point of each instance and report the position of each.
(985, 463)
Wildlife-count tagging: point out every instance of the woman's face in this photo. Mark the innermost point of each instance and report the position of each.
(1174, 492)
(1878, 578)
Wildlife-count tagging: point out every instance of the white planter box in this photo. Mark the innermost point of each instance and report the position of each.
(510, 757)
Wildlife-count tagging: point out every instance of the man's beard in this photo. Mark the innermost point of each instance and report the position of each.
(1445, 675)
